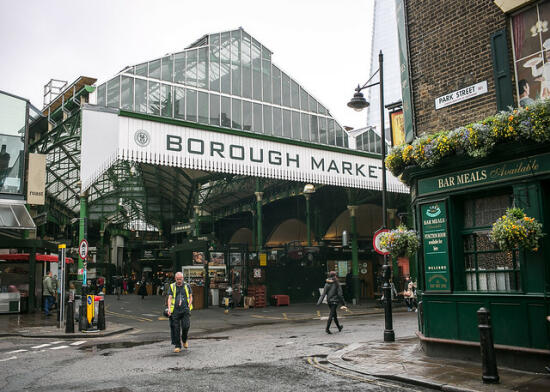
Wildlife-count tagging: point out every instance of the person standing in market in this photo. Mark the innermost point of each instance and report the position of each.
(143, 288)
(333, 292)
(48, 292)
(56, 290)
(180, 304)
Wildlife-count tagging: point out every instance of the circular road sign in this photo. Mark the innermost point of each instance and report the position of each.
(83, 249)
(376, 242)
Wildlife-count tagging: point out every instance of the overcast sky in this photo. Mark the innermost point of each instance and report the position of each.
(322, 44)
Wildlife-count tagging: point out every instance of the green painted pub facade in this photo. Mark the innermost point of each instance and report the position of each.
(461, 271)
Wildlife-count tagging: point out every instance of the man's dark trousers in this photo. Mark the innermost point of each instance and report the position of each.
(179, 327)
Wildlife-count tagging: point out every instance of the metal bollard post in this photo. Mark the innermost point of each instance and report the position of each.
(488, 356)
(83, 322)
(389, 334)
(101, 316)
(69, 322)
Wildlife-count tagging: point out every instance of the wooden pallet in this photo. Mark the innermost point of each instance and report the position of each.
(258, 292)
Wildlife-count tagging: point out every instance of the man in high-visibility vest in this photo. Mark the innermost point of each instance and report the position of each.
(180, 304)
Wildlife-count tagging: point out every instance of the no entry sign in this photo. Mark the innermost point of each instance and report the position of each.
(376, 242)
(83, 249)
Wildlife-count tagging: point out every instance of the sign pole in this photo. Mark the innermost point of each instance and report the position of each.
(61, 264)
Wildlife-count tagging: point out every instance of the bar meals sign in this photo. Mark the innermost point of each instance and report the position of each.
(525, 167)
(157, 142)
(461, 95)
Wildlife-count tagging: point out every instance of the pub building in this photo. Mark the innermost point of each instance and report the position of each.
(476, 146)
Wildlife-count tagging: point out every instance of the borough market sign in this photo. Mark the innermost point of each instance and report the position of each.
(157, 142)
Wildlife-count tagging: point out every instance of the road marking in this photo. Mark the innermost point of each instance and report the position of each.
(78, 343)
(127, 316)
(266, 317)
(16, 351)
(148, 314)
(8, 359)
(284, 316)
(318, 313)
(58, 347)
(42, 345)
(59, 341)
(163, 318)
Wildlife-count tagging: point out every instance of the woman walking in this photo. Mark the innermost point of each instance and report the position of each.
(142, 289)
(333, 292)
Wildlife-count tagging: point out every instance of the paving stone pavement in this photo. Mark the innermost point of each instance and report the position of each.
(404, 361)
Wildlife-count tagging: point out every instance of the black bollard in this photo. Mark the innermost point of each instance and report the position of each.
(101, 316)
(389, 334)
(69, 322)
(83, 322)
(488, 356)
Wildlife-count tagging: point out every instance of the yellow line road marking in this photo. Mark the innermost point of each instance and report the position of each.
(284, 316)
(266, 317)
(318, 313)
(163, 318)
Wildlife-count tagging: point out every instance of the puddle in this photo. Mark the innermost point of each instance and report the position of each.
(115, 345)
(323, 362)
(292, 337)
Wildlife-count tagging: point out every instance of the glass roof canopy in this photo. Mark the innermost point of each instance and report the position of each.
(225, 80)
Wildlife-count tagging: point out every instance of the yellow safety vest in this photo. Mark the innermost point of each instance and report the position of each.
(173, 302)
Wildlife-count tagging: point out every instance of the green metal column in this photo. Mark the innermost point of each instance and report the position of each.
(197, 223)
(83, 229)
(259, 195)
(354, 254)
(32, 280)
(253, 228)
(308, 220)
(101, 250)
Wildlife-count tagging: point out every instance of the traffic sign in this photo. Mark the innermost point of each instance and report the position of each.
(83, 249)
(376, 242)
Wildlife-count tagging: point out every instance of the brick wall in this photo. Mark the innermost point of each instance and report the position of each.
(450, 48)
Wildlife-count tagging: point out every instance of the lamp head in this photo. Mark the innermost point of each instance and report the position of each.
(309, 189)
(358, 102)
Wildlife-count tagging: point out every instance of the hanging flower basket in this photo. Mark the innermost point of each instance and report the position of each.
(516, 230)
(400, 242)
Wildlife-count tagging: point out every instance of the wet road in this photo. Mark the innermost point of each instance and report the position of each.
(282, 357)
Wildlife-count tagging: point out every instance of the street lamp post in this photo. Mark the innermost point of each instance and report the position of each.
(309, 189)
(358, 103)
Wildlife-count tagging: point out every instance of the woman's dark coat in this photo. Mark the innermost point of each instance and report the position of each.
(333, 291)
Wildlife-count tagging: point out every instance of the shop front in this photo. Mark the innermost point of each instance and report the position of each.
(462, 269)
(19, 289)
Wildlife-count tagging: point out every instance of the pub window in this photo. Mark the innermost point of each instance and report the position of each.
(531, 44)
(486, 267)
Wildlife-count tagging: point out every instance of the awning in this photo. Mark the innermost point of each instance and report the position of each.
(14, 215)
(39, 257)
